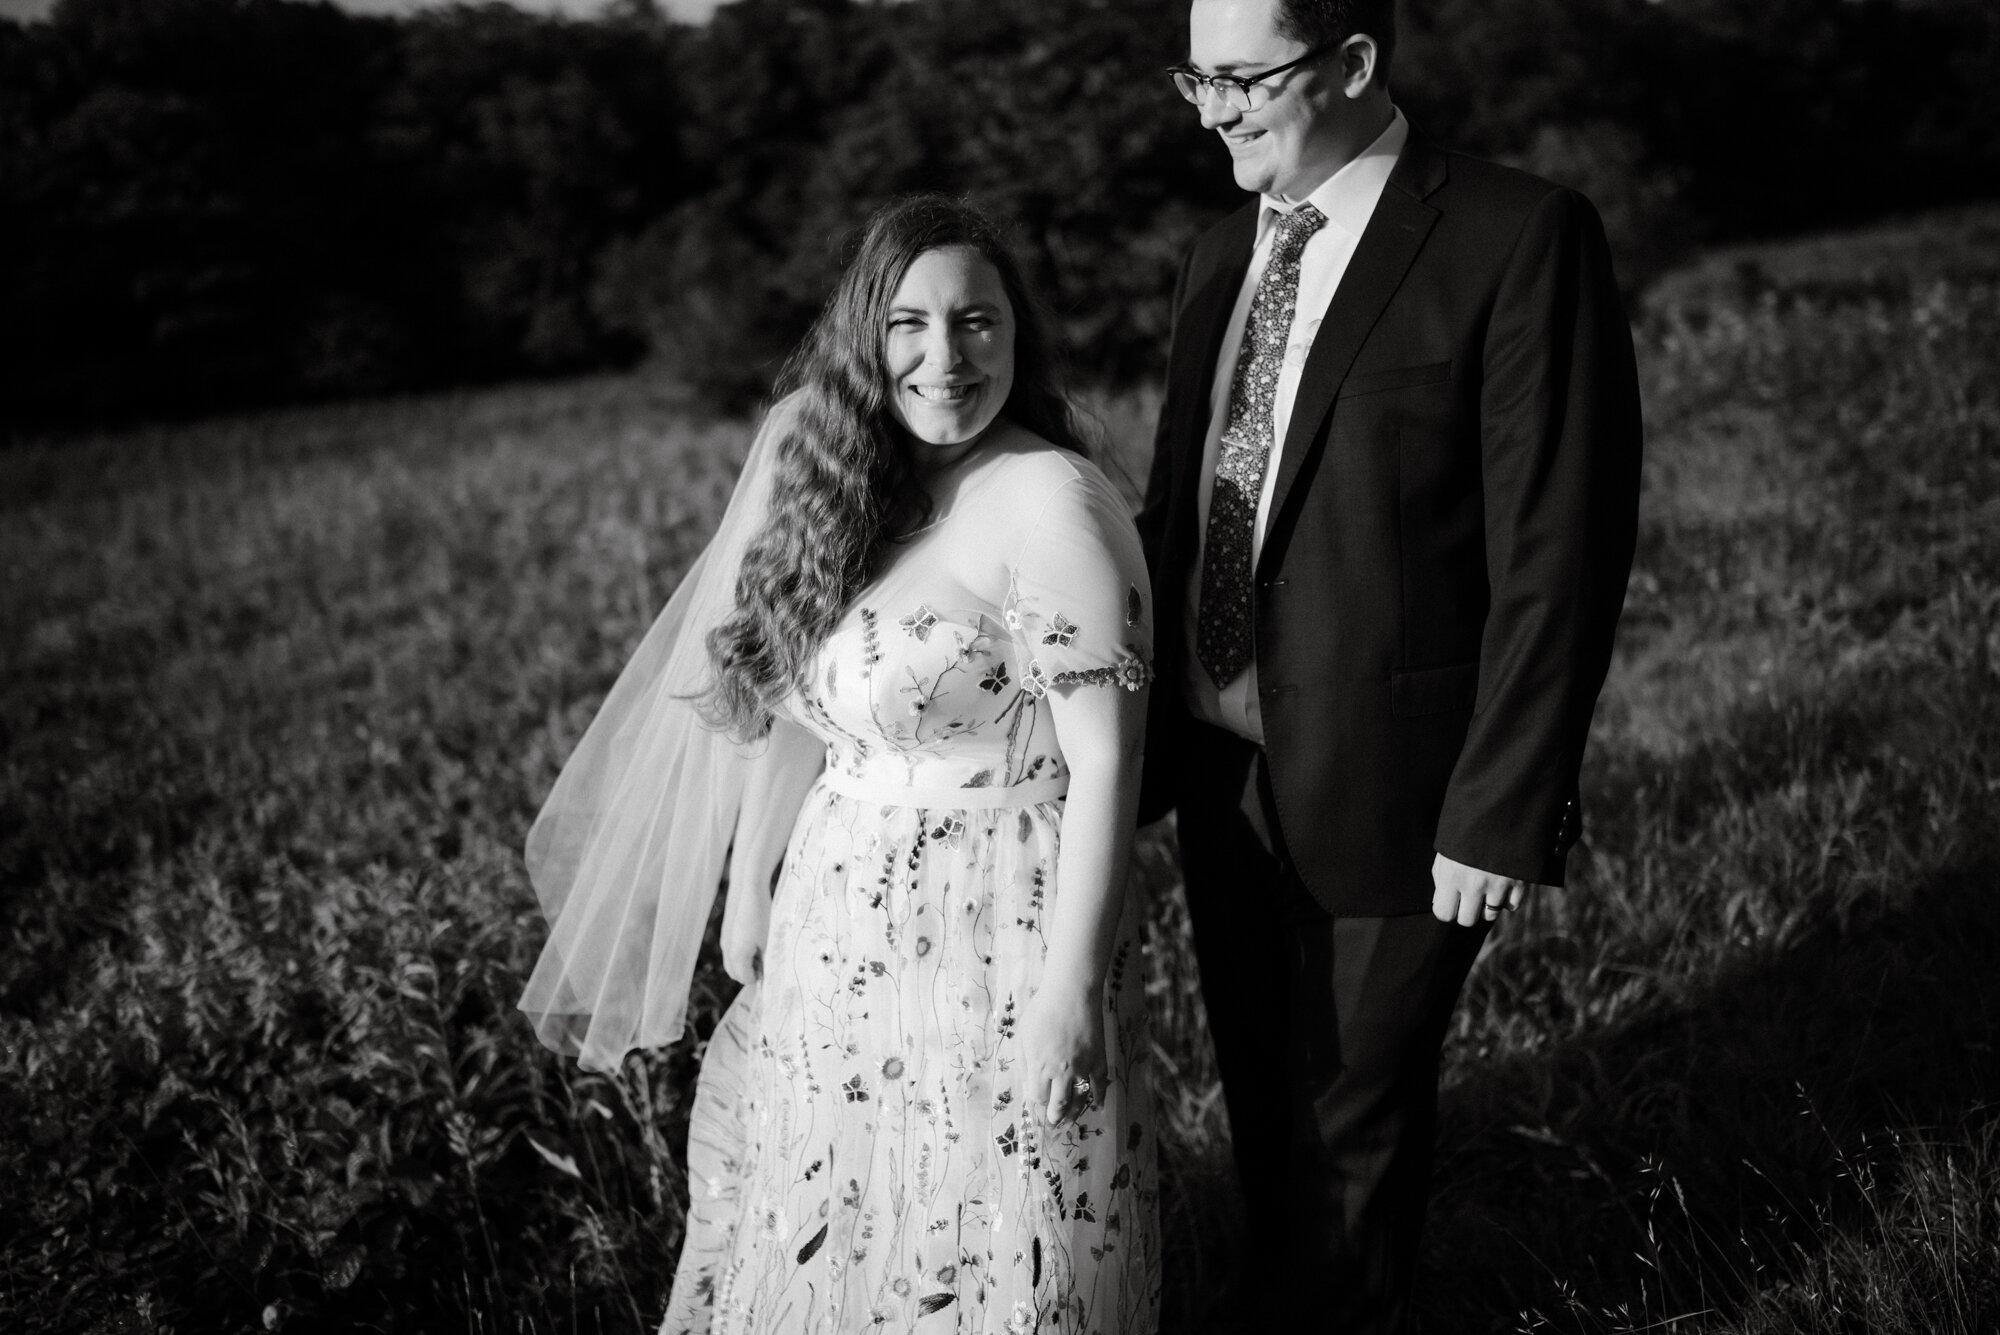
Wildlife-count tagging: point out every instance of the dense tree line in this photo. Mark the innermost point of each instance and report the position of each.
(222, 201)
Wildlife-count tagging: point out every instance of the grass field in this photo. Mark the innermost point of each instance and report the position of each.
(282, 693)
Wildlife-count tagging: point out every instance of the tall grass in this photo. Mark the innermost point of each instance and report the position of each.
(281, 694)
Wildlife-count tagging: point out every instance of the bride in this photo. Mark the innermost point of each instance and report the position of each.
(905, 686)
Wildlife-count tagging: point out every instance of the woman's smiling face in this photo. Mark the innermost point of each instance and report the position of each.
(950, 351)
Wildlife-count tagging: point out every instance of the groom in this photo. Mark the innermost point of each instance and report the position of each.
(1390, 518)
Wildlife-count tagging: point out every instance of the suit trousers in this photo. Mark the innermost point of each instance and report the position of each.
(1328, 1032)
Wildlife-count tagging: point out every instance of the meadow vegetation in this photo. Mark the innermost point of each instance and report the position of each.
(282, 691)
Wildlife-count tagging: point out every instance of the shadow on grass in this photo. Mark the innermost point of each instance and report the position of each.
(1672, 1165)
(1709, 1145)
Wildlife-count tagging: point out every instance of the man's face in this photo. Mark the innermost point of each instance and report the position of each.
(1282, 147)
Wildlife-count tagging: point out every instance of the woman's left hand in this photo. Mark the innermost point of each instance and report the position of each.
(1062, 1042)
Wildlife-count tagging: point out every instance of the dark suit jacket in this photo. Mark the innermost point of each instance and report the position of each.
(1453, 522)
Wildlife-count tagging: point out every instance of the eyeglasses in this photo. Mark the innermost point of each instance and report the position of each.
(1243, 92)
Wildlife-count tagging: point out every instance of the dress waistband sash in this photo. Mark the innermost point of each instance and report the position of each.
(1031, 793)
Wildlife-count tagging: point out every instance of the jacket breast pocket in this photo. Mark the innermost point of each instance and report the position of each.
(1418, 692)
(1400, 377)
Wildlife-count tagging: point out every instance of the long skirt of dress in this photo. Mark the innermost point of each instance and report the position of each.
(862, 1154)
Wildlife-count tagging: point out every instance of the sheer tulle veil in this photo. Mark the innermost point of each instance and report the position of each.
(628, 850)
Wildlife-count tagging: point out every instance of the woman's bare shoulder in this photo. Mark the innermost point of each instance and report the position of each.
(1026, 471)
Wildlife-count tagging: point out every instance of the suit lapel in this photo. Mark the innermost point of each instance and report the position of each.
(1204, 319)
(1388, 246)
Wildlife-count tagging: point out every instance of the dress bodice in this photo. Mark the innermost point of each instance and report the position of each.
(1028, 579)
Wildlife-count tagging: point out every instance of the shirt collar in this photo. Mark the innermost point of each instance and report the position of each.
(1348, 197)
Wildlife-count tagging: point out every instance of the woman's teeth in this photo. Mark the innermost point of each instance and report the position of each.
(943, 393)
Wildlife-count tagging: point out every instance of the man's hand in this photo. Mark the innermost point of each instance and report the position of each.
(1469, 896)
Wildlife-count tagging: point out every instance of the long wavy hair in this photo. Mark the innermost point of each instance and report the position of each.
(844, 486)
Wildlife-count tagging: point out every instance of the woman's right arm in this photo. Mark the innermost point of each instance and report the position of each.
(778, 783)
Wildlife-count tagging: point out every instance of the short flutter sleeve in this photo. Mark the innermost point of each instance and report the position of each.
(1078, 600)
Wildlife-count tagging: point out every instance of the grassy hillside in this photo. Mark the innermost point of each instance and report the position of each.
(281, 694)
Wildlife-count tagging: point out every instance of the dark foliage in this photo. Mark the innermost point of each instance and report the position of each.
(217, 201)
(206, 201)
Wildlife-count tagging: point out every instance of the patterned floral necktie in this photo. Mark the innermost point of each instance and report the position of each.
(1223, 624)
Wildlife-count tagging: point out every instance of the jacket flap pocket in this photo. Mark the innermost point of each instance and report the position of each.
(1439, 690)
(1401, 377)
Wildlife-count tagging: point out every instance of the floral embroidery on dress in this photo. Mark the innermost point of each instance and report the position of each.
(1129, 673)
(1130, 670)
(1036, 681)
(924, 720)
(870, 642)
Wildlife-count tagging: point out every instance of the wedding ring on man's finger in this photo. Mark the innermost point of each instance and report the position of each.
(1082, 1086)
(1492, 910)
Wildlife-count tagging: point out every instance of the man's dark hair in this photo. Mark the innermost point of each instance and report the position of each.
(1327, 23)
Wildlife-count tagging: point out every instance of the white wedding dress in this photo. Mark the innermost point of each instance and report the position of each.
(863, 1155)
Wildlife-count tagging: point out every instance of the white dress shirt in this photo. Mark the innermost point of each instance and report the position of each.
(1348, 199)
